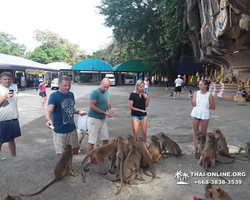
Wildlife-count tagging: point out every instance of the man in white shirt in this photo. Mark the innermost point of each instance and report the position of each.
(178, 82)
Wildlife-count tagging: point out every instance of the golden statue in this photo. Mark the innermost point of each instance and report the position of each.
(206, 70)
(222, 74)
(202, 78)
(248, 82)
(218, 78)
(191, 79)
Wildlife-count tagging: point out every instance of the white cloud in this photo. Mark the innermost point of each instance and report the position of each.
(75, 20)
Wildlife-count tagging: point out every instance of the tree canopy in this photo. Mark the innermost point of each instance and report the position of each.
(152, 30)
(9, 47)
(55, 49)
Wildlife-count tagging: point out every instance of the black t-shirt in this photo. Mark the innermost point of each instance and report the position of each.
(138, 102)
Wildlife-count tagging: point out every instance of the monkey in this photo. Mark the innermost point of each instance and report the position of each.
(216, 193)
(121, 152)
(81, 134)
(169, 145)
(208, 155)
(63, 168)
(131, 141)
(246, 147)
(222, 143)
(146, 159)
(201, 140)
(155, 149)
(8, 197)
(129, 168)
(99, 153)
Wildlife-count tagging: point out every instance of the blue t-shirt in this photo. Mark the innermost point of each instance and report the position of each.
(37, 81)
(101, 102)
(63, 113)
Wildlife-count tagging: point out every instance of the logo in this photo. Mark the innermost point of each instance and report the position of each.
(182, 177)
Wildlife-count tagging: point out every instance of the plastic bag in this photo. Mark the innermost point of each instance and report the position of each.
(82, 123)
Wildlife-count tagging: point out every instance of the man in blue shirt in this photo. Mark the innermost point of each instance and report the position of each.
(100, 108)
(60, 116)
(36, 83)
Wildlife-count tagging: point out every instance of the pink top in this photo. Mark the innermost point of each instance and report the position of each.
(42, 88)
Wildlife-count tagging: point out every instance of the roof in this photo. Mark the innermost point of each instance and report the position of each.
(59, 65)
(18, 62)
(92, 65)
(106, 60)
(132, 66)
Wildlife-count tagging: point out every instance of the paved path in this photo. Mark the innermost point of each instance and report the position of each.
(34, 165)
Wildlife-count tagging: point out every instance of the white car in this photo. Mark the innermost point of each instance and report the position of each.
(129, 79)
(54, 84)
(111, 77)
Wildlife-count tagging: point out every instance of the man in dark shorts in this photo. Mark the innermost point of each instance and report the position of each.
(9, 124)
(178, 82)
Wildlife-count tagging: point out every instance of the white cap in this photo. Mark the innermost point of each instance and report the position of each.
(40, 80)
(179, 76)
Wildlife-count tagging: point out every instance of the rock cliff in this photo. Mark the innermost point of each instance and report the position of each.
(220, 32)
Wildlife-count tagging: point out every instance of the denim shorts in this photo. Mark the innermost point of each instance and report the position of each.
(202, 120)
(139, 118)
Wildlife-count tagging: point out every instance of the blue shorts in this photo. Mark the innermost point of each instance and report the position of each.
(9, 130)
(43, 94)
(139, 118)
(202, 120)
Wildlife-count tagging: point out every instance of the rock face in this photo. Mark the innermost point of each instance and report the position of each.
(220, 32)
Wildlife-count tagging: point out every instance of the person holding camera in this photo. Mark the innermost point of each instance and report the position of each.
(9, 124)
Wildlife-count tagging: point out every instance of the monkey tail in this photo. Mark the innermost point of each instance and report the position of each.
(40, 191)
(91, 153)
(154, 176)
(121, 176)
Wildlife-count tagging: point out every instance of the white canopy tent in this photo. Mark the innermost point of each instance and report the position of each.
(9, 62)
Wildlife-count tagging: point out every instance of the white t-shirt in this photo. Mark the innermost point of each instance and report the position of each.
(201, 110)
(8, 109)
(146, 84)
(178, 82)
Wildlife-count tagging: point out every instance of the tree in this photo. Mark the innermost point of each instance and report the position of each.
(7, 46)
(57, 48)
(46, 55)
(151, 30)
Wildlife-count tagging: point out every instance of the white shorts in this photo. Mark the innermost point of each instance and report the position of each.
(97, 127)
(62, 139)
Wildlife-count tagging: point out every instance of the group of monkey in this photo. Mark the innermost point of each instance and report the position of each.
(215, 143)
(130, 157)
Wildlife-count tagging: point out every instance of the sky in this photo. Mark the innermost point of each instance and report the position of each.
(75, 20)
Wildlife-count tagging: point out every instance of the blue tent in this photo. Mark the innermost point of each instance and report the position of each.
(92, 65)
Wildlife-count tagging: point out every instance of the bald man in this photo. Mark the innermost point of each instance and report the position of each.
(100, 108)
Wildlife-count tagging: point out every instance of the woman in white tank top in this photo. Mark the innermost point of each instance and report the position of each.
(201, 102)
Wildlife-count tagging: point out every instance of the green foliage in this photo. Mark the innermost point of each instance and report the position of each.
(151, 30)
(7, 46)
(56, 49)
(46, 55)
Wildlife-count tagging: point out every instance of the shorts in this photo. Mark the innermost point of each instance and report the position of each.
(9, 130)
(139, 118)
(202, 120)
(62, 139)
(177, 89)
(146, 90)
(97, 127)
(43, 94)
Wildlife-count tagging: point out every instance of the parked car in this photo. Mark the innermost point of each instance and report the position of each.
(54, 84)
(129, 79)
(111, 77)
